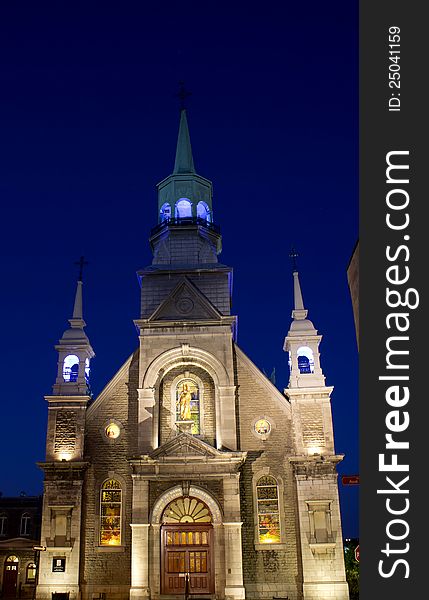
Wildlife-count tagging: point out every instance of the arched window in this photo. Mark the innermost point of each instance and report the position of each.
(203, 211)
(165, 212)
(3, 524)
(110, 513)
(188, 403)
(25, 524)
(267, 496)
(71, 368)
(183, 209)
(30, 574)
(305, 360)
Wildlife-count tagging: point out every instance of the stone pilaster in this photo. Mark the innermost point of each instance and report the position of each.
(139, 561)
(234, 588)
(140, 540)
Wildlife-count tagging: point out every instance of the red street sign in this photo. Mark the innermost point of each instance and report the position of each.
(350, 479)
(357, 553)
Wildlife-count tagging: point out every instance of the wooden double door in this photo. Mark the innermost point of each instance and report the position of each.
(186, 559)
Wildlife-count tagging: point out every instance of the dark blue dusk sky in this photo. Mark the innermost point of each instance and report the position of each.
(89, 120)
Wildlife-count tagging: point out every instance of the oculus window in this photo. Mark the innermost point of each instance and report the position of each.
(112, 431)
(262, 427)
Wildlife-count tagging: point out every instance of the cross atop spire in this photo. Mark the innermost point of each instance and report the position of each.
(293, 256)
(182, 95)
(81, 263)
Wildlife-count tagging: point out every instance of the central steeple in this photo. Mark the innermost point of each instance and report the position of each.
(184, 194)
(185, 242)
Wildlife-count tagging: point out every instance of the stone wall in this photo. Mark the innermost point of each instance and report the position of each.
(109, 459)
(276, 570)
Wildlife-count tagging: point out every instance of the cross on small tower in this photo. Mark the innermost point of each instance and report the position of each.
(293, 256)
(183, 94)
(81, 263)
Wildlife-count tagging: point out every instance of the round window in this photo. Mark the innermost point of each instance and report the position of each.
(112, 431)
(263, 427)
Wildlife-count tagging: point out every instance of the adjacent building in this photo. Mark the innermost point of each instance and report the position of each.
(19, 532)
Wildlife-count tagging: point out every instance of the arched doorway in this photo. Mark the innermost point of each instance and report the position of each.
(10, 577)
(187, 547)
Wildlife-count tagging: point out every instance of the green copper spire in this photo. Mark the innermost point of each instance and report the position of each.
(184, 194)
(184, 162)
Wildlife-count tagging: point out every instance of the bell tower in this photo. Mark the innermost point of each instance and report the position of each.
(315, 462)
(64, 466)
(185, 292)
(186, 233)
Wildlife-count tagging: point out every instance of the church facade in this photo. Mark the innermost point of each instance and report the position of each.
(190, 474)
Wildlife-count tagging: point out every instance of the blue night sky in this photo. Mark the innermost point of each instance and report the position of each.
(89, 120)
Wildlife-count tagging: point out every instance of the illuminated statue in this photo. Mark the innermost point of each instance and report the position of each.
(184, 403)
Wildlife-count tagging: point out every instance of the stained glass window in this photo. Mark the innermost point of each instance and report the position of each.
(268, 510)
(262, 427)
(188, 403)
(112, 431)
(110, 513)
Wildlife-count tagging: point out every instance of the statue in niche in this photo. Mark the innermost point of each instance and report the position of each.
(184, 402)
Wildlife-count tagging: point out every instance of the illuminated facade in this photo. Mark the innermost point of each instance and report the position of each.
(190, 472)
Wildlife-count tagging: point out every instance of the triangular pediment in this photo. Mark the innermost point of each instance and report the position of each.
(186, 445)
(186, 303)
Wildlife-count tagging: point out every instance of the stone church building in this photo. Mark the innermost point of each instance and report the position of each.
(190, 474)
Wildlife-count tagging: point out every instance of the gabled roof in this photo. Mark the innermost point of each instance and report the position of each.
(187, 445)
(119, 377)
(186, 303)
(187, 456)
